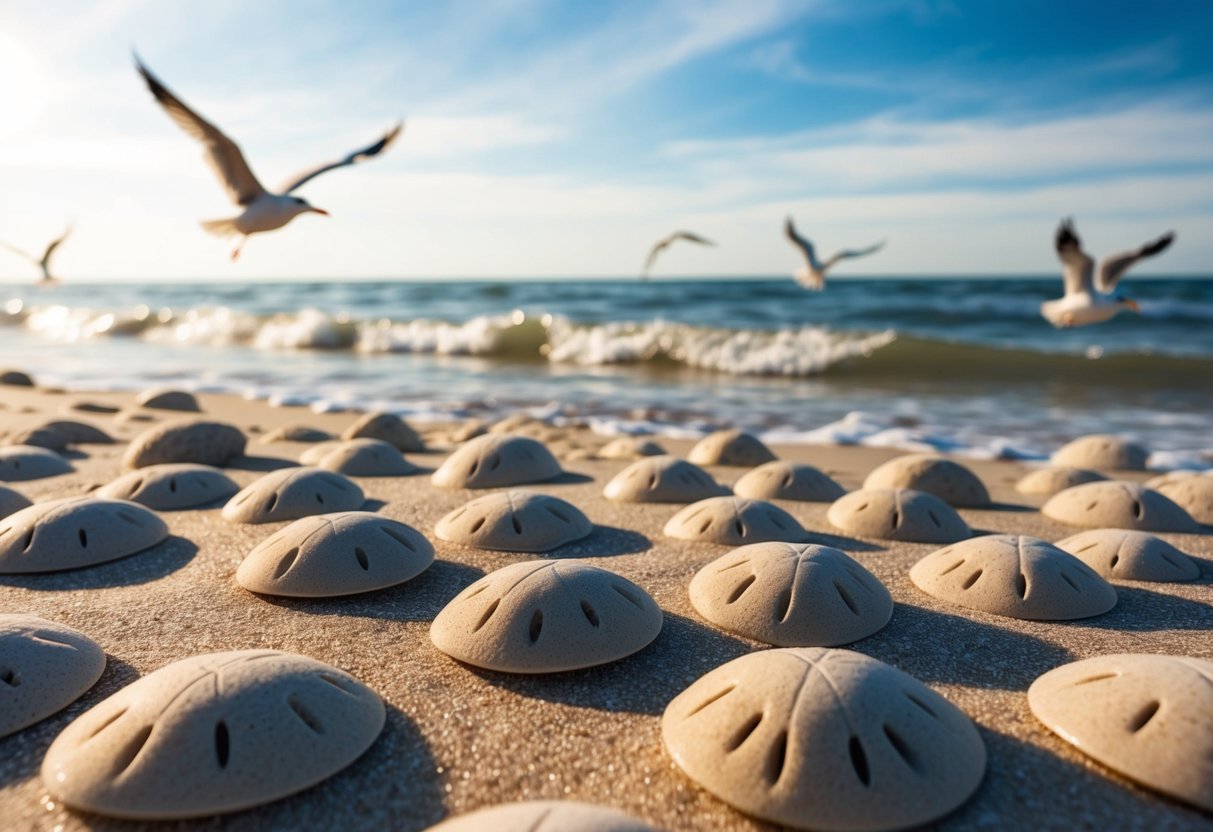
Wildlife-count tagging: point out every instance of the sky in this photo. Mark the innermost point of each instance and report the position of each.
(554, 138)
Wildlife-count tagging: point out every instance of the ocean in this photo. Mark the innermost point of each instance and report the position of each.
(960, 365)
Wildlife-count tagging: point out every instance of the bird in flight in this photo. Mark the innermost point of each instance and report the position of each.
(263, 210)
(1090, 298)
(44, 262)
(666, 242)
(814, 276)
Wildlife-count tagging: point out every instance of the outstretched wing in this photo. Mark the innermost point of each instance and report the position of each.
(352, 159)
(691, 237)
(1077, 267)
(806, 248)
(18, 252)
(50, 250)
(1112, 268)
(665, 242)
(848, 253)
(222, 154)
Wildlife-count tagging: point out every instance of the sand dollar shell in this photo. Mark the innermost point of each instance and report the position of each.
(313, 455)
(213, 733)
(544, 816)
(26, 462)
(367, 458)
(44, 667)
(1194, 495)
(296, 433)
(898, 514)
(171, 487)
(1117, 504)
(168, 400)
(75, 532)
(733, 521)
(630, 447)
(12, 501)
(497, 461)
(1048, 481)
(1149, 717)
(822, 739)
(386, 427)
(47, 438)
(1122, 555)
(205, 443)
(1015, 576)
(545, 616)
(1104, 452)
(291, 493)
(792, 595)
(15, 378)
(335, 554)
(1173, 476)
(950, 481)
(781, 480)
(730, 447)
(662, 479)
(515, 521)
(80, 433)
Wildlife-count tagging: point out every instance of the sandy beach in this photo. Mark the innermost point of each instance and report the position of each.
(458, 738)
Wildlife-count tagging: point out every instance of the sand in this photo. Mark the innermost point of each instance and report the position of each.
(458, 738)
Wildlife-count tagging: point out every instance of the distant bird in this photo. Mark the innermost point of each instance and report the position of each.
(44, 263)
(666, 242)
(1084, 302)
(263, 210)
(814, 277)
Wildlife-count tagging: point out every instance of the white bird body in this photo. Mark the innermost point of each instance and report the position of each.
(1084, 303)
(813, 275)
(267, 212)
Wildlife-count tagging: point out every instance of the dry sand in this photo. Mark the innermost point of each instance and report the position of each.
(458, 738)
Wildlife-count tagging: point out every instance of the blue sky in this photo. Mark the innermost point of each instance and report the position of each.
(561, 138)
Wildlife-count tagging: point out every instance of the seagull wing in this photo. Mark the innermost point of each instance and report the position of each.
(848, 253)
(1112, 268)
(691, 237)
(352, 159)
(50, 250)
(660, 246)
(222, 154)
(18, 252)
(1077, 267)
(789, 231)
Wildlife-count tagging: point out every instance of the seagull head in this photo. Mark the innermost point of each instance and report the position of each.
(302, 206)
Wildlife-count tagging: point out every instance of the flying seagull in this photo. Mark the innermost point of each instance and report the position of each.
(814, 277)
(666, 242)
(44, 263)
(263, 210)
(1087, 301)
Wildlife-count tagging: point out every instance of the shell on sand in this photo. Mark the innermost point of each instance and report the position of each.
(75, 532)
(1048, 481)
(1118, 554)
(1117, 504)
(1015, 576)
(15, 378)
(367, 458)
(386, 427)
(544, 816)
(950, 481)
(898, 514)
(1147, 716)
(1102, 452)
(822, 739)
(291, 493)
(44, 667)
(168, 400)
(780, 480)
(730, 447)
(630, 447)
(80, 433)
(545, 616)
(12, 501)
(734, 521)
(40, 437)
(171, 487)
(1194, 495)
(213, 733)
(296, 433)
(791, 595)
(662, 479)
(204, 443)
(26, 462)
(515, 521)
(497, 460)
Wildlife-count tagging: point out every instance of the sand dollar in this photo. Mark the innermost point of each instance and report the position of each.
(822, 739)
(335, 554)
(1149, 717)
(1048, 481)
(313, 455)
(545, 616)
(386, 427)
(80, 433)
(515, 521)
(730, 447)
(1117, 554)
(662, 479)
(75, 532)
(1118, 504)
(780, 480)
(792, 595)
(12, 501)
(1015, 576)
(27, 462)
(497, 461)
(1194, 495)
(48, 438)
(291, 493)
(16, 378)
(296, 433)
(168, 400)
(544, 816)
(171, 486)
(44, 667)
(733, 521)
(213, 733)
(898, 514)
(630, 447)
(204, 443)
(1101, 451)
(950, 481)
(367, 458)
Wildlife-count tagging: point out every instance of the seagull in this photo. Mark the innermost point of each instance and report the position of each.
(263, 210)
(814, 277)
(1085, 302)
(666, 242)
(47, 278)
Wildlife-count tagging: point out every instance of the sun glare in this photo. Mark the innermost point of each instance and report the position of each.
(22, 101)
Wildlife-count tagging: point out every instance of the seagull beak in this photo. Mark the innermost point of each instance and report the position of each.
(320, 211)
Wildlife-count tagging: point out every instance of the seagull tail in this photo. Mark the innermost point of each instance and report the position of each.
(221, 228)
